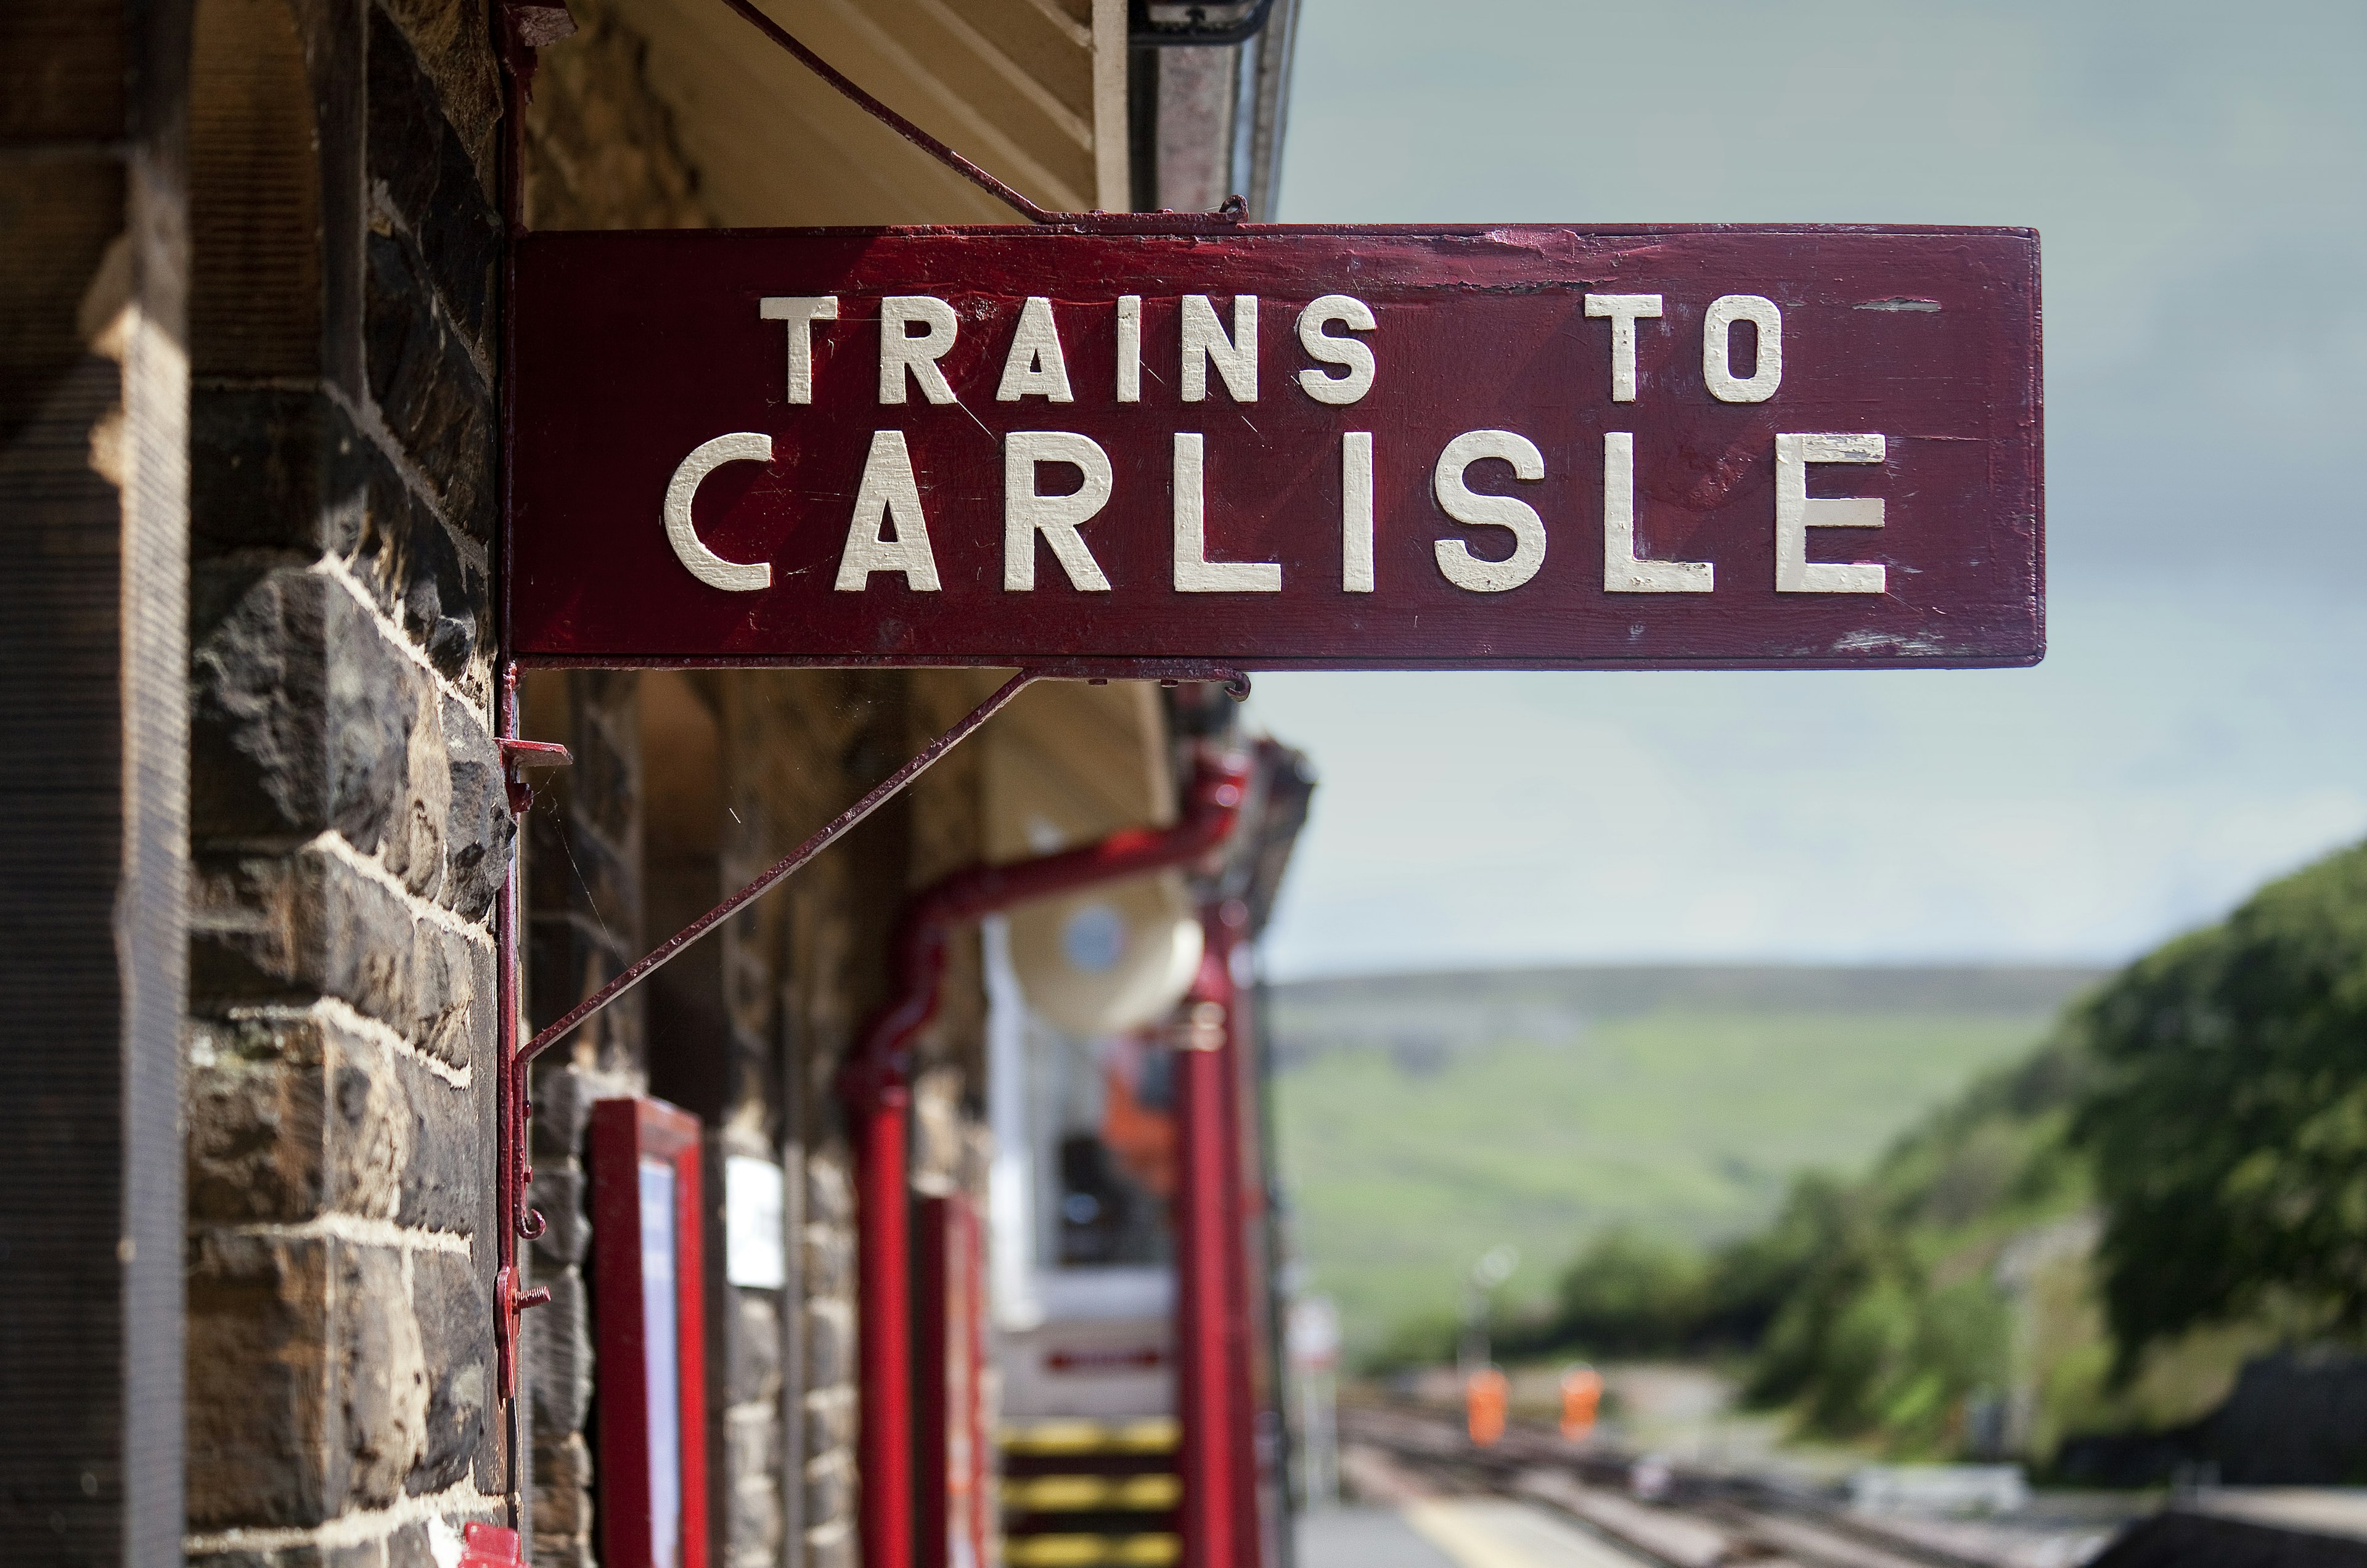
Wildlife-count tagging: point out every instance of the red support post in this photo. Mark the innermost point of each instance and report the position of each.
(1228, 928)
(884, 1295)
(949, 1413)
(1208, 1244)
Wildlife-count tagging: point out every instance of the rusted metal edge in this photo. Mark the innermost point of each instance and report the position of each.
(1098, 671)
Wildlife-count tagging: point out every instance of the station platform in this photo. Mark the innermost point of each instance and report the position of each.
(1451, 1532)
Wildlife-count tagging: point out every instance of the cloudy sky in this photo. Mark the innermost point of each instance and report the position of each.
(2201, 721)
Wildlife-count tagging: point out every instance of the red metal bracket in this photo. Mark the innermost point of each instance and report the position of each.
(518, 755)
(519, 1221)
(489, 1546)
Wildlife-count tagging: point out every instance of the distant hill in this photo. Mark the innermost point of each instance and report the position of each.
(1425, 1117)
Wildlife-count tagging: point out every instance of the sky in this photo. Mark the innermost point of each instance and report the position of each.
(2199, 179)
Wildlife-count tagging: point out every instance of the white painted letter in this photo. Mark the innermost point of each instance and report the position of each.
(801, 313)
(1194, 573)
(1796, 513)
(1130, 348)
(1204, 342)
(1717, 329)
(1027, 514)
(1354, 352)
(1473, 511)
(899, 351)
(746, 446)
(1034, 367)
(1622, 572)
(1623, 309)
(889, 494)
(1357, 512)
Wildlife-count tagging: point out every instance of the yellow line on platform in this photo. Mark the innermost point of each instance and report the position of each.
(1492, 1533)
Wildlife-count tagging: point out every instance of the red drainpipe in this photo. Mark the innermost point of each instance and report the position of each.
(876, 1087)
(1213, 1396)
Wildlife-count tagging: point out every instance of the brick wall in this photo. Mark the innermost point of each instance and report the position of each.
(347, 829)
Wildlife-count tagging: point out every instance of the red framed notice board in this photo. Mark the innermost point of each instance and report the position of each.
(646, 1217)
(1278, 448)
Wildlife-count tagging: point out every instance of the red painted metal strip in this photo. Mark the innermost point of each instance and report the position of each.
(624, 1134)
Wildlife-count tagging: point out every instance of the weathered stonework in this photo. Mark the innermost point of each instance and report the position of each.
(347, 829)
(601, 144)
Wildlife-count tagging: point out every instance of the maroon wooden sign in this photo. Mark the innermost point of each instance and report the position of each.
(1279, 447)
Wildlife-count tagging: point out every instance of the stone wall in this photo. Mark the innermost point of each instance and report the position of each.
(583, 909)
(347, 826)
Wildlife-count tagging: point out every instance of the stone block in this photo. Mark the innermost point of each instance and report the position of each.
(413, 847)
(830, 1423)
(307, 1392)
(272, 469)
(455, 1314)
(752, 1440)
(291, 928)
(292, 1118)
(428, 172)
(256, 1138)
(435, 397)
(830, 1492)
(567, 1229)
(752, 1367)
(302, 717)
(559, 1358)
(830, 1344)
(448, 1178)
(410, 1547)
(563, 1098)
(383, 1372)
(833, 1545)
(421, 578)
(829, 1196)
(563, 1490)
(755, 1493)
(478, 828)
(826, 1260)
(306, 1555)
(454, 44)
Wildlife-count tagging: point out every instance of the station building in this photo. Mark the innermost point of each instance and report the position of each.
(258, 819)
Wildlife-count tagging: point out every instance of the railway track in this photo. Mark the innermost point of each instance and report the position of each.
(1698, 1521)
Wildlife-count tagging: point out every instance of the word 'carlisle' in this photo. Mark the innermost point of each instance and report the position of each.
(1276, 447)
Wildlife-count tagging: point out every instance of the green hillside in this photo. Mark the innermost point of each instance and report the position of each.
(1424, 1117)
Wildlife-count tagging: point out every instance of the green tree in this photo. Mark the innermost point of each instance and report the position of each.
(1629, 1295)
(2227, 1114)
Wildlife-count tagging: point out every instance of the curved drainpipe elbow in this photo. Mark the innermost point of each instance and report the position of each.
(875, 1088)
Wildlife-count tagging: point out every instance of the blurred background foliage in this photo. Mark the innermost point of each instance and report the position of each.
(2091, 1238)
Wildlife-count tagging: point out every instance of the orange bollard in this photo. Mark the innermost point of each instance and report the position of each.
(1485, 1397)
(1582, 1395)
